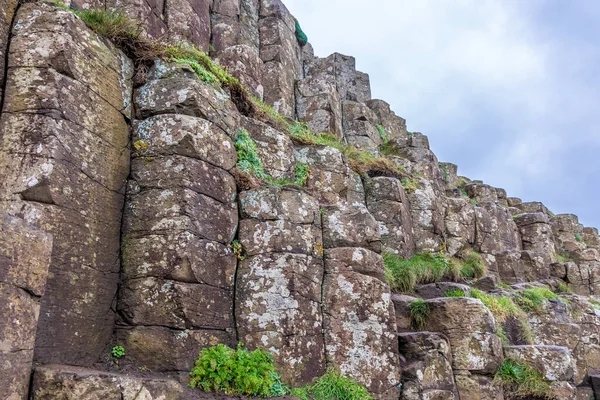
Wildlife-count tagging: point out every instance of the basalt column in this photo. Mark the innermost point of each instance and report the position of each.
(64, 159)
(180, 217)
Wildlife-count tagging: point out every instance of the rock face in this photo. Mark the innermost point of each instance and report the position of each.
(129, 217)
(24, 259)
(64, 156)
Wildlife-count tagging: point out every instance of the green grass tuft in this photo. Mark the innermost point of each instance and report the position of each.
(563, 258)
(382, 133)
(409, 184)
(578, 238)
(419, 312)
(473, 266)
(455, 293)
(563, 288)
(402, 275)
(533, 299)
(333, 386)
(248, 159)
(522, 380)
(236, 372)
(301, 171)
(444, 172)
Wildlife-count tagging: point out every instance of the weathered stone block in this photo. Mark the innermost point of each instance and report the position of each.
(274, 203)
(426, 366)
(471, 329)
(350, 226)
(495, 230)
(189, 21)
(389, 205)
(161, 349)
(243, 62)
(159, 302)
(183, 257)
(259, 237)
(278, 308)
(553, 362)
(477, 387)
(190, 97)
(360, 329)
(393, 125)
(183, 135)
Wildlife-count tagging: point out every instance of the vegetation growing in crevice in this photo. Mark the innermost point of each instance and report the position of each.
(236, 372)
(419, 312)
(578, 238)
(533, 299)
(444, 172)
(522, 380)
(332, 386)
(247, 152)
(238, 250)
(455, 293)
(409, 184)
(402, 275)
(563, 288)
(382, 133)
(360, 161)
(563, 257)
(506, 312)
(117, 352)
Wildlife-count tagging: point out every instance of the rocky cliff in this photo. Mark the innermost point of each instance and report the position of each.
(151, 201)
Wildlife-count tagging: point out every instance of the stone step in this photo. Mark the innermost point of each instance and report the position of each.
(75, 383)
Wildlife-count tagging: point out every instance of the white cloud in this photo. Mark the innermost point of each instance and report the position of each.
(498, 93)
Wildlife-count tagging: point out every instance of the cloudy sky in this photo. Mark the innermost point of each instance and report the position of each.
(507, 89)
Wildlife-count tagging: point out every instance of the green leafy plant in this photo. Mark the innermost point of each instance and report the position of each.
(301, 171)
(522, 380)
(118, 352)
(300, 35)
(248, 159)
(333, 386)
(238, 250)
(382, 133)
(578, 237)
(236, 372)
(563, 257)
(474, 202)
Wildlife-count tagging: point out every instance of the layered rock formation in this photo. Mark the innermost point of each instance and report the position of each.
(123, 212)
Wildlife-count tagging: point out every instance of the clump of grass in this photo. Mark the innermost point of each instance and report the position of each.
(382, 133)
(473, 266)
(501, 306)
(362, 162)
(595, 304)
(333, 386)
(419, 312)
(578, 238)
(522, 380)
(237, 372)
(503, 285)
(474, 202)
(563, 258)
(563, 288)
(204, 74)
(533, 299)
(402, 275)
(409, 184)
(455, 293)
(248, 159)
(444, 172)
